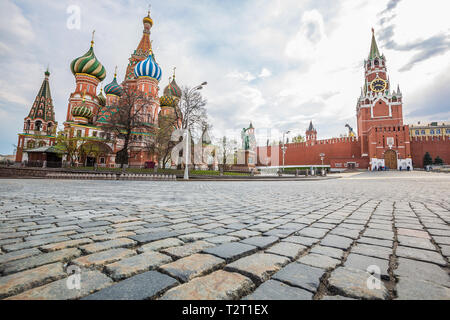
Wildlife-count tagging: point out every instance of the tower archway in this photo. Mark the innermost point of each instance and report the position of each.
(390, 159)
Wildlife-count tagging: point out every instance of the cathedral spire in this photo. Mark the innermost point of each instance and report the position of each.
(43, 106)
(374, 53)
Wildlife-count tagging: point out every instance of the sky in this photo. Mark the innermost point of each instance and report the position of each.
(277, 63)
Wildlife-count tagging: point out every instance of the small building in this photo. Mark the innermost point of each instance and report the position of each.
(433, 129)
(46, 157)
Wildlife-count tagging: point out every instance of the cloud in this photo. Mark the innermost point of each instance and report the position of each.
(424, 49)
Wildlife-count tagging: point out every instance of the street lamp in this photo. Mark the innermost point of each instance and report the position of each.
(283, 148)
(186, 162)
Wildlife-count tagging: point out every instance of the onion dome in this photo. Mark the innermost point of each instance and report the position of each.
(147, 19)
(82, 111)
(89, 64)
(114, 87)
(172, 88)
(148, 68)
(101, 98)
(166, 101)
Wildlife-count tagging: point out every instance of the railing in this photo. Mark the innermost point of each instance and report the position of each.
(111, 176)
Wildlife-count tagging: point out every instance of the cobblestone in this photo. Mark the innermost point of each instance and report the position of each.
(364, 219)
(128, 267)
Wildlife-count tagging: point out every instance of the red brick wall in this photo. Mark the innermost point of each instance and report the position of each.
(437, 147)
(338, 150)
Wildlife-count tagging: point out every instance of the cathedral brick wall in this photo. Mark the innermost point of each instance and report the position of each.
(436, 146)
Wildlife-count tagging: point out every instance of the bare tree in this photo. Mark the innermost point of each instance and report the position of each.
(133, 111)
(192, 107)
(162, 144)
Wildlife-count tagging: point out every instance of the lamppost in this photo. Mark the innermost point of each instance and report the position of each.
(283, 148)
(186, 162)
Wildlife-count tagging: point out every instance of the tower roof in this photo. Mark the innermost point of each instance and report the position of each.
(311, 127)
(43, 104)
(143, 50)
(374, 53)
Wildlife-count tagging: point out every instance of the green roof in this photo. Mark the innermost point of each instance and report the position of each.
(374, 53)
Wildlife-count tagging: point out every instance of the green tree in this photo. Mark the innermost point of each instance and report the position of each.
(427, 160)
(438, 161)
(68, 144)
(298, 139)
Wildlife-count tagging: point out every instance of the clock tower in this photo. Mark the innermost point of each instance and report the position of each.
(384, 138)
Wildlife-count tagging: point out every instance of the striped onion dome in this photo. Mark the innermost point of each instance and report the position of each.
(101, 98)
(89, 64)
(166, 101)
(82, 111)
(114, 88)
(173, 89)
(148, 68)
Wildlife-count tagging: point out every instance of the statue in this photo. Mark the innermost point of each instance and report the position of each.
(248, 138)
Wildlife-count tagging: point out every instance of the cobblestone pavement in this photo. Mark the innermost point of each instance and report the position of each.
(227, 240)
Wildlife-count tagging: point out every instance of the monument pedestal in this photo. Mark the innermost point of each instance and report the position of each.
(246, 161)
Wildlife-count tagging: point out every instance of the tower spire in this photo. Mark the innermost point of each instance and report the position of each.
(92, 41)
(374, 53)
(174, 68)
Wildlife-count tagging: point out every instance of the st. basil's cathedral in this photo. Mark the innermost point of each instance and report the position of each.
(89, 112)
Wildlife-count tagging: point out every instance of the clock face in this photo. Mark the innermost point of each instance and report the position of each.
(378, 85)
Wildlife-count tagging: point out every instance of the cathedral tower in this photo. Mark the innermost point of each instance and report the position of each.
(39, 127)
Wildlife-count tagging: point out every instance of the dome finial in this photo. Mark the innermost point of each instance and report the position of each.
(92, 41)
(115, 72)
(174, 68)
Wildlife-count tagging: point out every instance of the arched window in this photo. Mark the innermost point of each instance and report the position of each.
(49, 128)
(28, 125)
(30, 144)
(38, 125)
(376, 62)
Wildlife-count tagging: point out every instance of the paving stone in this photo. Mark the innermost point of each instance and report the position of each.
(376, 242)
(219, 285)
(308, 242)
(328, 251)
(336, 242)
(260, 241)
(259, 266)
(276, 290)
(131, 266)
(337, 297)
(414, 269)
(413, 233)
(187, 249)
(419, 254)
(243, 234)
(445, 250)
(413, 289)
(372, 251)
(160, 244)
(442, 240)
(111, 236)
(38, 260)
(353, 283)
(231, 251)
(143, 286)
(18, 282)
(55, 229)
(379, 234)
(196, 236)
(65, 244)
(222, 239)
(300, 275)
(319, 261)
(20, 254)
(91, 224)
(103, 257)
(90, 281)
(361, 262)
(287, 249)
(32, 244)
(415, 242)
(193, 266)
(153, 236)
(106, 245)
(13, 235)
(312, 232)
